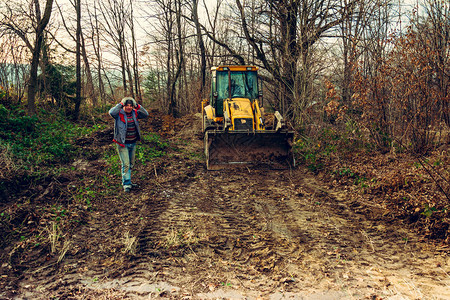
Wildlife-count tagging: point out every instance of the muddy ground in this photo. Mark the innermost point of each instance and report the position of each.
(247, 233)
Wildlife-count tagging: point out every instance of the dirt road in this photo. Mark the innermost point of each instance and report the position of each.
(188, 233)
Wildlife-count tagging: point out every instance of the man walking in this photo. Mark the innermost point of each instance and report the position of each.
(126, 134)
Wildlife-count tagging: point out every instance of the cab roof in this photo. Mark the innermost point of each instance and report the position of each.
(234, 68)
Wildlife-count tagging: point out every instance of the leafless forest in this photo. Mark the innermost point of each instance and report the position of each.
(380, 65)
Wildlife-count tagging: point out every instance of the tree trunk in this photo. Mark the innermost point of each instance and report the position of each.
(201, 45)
(90, 83)
(76, 112)
(134, 51)
(41, 24)
(174, 109)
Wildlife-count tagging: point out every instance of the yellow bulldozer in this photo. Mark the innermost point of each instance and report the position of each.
(236, 129)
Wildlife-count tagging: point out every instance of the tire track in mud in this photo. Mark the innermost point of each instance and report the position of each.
(162, 244)
(270, 231)
(361, 248)
(223, 211)
(148, 234)
(281, 224)
(238, 233)
(85, 256)
(318, 236)
(149, 253)
(386, 248)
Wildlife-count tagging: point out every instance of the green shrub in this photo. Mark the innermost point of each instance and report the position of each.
(39, 139)
(112, 158)
(152, 147)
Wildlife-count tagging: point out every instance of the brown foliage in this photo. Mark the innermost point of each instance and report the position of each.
(402, 100)
(334, 110)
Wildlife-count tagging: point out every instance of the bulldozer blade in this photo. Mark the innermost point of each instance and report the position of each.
(270, 148)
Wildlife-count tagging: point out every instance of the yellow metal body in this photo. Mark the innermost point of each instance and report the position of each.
(258, 113)
(243, 109)
(233, 123)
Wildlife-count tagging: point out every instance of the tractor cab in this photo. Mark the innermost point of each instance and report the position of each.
(230, 82)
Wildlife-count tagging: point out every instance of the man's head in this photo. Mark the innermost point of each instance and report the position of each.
(128, 104)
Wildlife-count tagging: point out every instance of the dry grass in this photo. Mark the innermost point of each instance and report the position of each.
(9, 165)
(65, 248)
(177, 238)
(56, 245)
(53, 236)
(130, 243)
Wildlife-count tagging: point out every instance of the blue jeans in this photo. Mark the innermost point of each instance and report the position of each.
(127, 156)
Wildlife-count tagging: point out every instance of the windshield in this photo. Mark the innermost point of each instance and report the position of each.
(244, 84)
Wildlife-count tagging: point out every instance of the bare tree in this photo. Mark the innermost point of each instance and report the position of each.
(96, 45)
(78, 60)
(435, 33)
(34, 26)
(115, 16)
(163, 36)
(201, 45)
(134, 54)
(39, 30)
(287, 31)
(352, 29)
(179, 56)
(12, 67)
(213, 19)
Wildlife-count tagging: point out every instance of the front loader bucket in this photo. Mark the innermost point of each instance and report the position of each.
(262, 148)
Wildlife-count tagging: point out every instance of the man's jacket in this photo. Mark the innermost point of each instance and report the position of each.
(120, 123)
